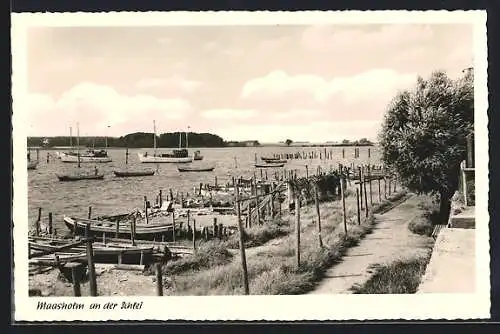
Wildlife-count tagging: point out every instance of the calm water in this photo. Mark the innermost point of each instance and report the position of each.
(119, 195)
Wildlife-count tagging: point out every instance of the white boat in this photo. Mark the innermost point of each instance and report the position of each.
(176, 156)
(89, 156)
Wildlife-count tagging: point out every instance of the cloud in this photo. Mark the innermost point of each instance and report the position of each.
(322, 38)
(228, 114)
(97, 106)
(174, 84)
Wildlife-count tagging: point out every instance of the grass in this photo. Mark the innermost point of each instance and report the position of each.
(424, 223)
(272, 270)
(400, 277)
(211, 253)
(258, 235)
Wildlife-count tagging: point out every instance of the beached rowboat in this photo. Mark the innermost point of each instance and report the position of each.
(78, 177)
(195, 169)
(269, 165)
(133, 173)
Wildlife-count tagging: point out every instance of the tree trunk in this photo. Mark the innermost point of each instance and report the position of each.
(444, 206)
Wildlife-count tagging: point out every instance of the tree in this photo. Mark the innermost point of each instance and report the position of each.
(288, 142)
(423, 136)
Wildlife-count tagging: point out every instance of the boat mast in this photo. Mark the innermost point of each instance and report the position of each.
(78, 143)
(187, 133)
(71, 137)
(154, 137)
(180, 139)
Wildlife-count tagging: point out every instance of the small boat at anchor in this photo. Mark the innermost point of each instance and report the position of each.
(133, 173)
(197, 156)
(32, 164)
(195, 168)
(79, 177)
(270, 165)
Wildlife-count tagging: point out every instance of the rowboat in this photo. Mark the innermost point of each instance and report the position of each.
(195, 169)
(269, 165)
(133, 173)
(32, 164)
(78, 177)
(108, 228)
(103, 252)
(269, 159)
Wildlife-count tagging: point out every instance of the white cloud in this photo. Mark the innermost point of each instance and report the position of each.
(226, 114)
(97, 106)
(173, 84)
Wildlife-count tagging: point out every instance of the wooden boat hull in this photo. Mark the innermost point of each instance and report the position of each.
(99, 228)
(32, 165)
(270, 165)
(69, 178)
(133, 174)
(193, 169)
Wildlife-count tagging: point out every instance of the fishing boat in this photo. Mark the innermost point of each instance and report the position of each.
(132, 173)
(270, 165)
(153, 231)
(91, 155)
(104, 252)
(79, 175)
(195, 168)
(180, 155)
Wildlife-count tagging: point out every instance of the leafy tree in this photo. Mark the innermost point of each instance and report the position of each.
(423, 137)
(288, 142)
(345, 141)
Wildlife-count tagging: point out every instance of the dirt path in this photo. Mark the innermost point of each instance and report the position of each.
(390, 240)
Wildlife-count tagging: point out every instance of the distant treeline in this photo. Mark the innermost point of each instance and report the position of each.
(133, 140)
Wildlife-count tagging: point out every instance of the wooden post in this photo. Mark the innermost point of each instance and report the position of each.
(117, 232)
(37, 222)
(173, 226)
(469, 162)
(90, 263)
(161, 198)
(307, 172)
(215, 227)
(360, 187)
(271, 202)
(50, 223)
(188, 218)
(357, 205)
(76, 280)
(242, 244)
(171, 194)
(370, 184)
(342, 194)
(159, 280)
(219, 230)
(90, 213)
(297, 228)
(132, 230)
(379, 194)
(316, 203)
(146, 209)
(249, 213)
(216, 182)
(194, 235)
(366, 199)
(389, 185)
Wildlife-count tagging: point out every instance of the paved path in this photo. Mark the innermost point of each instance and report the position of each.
(390, 240)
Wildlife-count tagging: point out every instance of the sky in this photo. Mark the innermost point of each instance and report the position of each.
(267, 83)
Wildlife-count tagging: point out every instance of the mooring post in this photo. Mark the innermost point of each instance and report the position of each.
(271, 202)
(159, 280)
(75, 277)
(90, 263)
(50, 223)
(307, 172)
(132, 230)
(117, 232)
(318, 214)
(194, 235)
(171, 195)
(215, 227)
(146, 209)
(90, 212)
(342, 194)
(37, 222)
(242, 244)
(161, 198)
(173, 226)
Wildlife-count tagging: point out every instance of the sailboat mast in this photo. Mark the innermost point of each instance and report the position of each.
(187, 133)
(78, 143)
(180, 139)
(154, 137)
(71, 137)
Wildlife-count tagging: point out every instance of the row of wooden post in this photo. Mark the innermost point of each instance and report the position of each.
(321, 154)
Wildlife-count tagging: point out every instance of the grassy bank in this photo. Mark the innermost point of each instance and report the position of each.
(272, 270)
(424, 223)
(399, 277)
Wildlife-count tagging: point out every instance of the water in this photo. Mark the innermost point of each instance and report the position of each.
(120, 195)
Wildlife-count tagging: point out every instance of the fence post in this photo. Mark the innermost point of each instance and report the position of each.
(90, 212)
(379, 195)
(342, 194)
(385, 187)
(366, 199)
(357, 205)
(37, 222)
(316, 203)
(173, 226)
(297, 228)
(194, 235)
(90, 262)
(159, 280)
(360, 187)
(50, 223)
(370, 184)
(146, 209)
(242, 244)
(132, 229)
